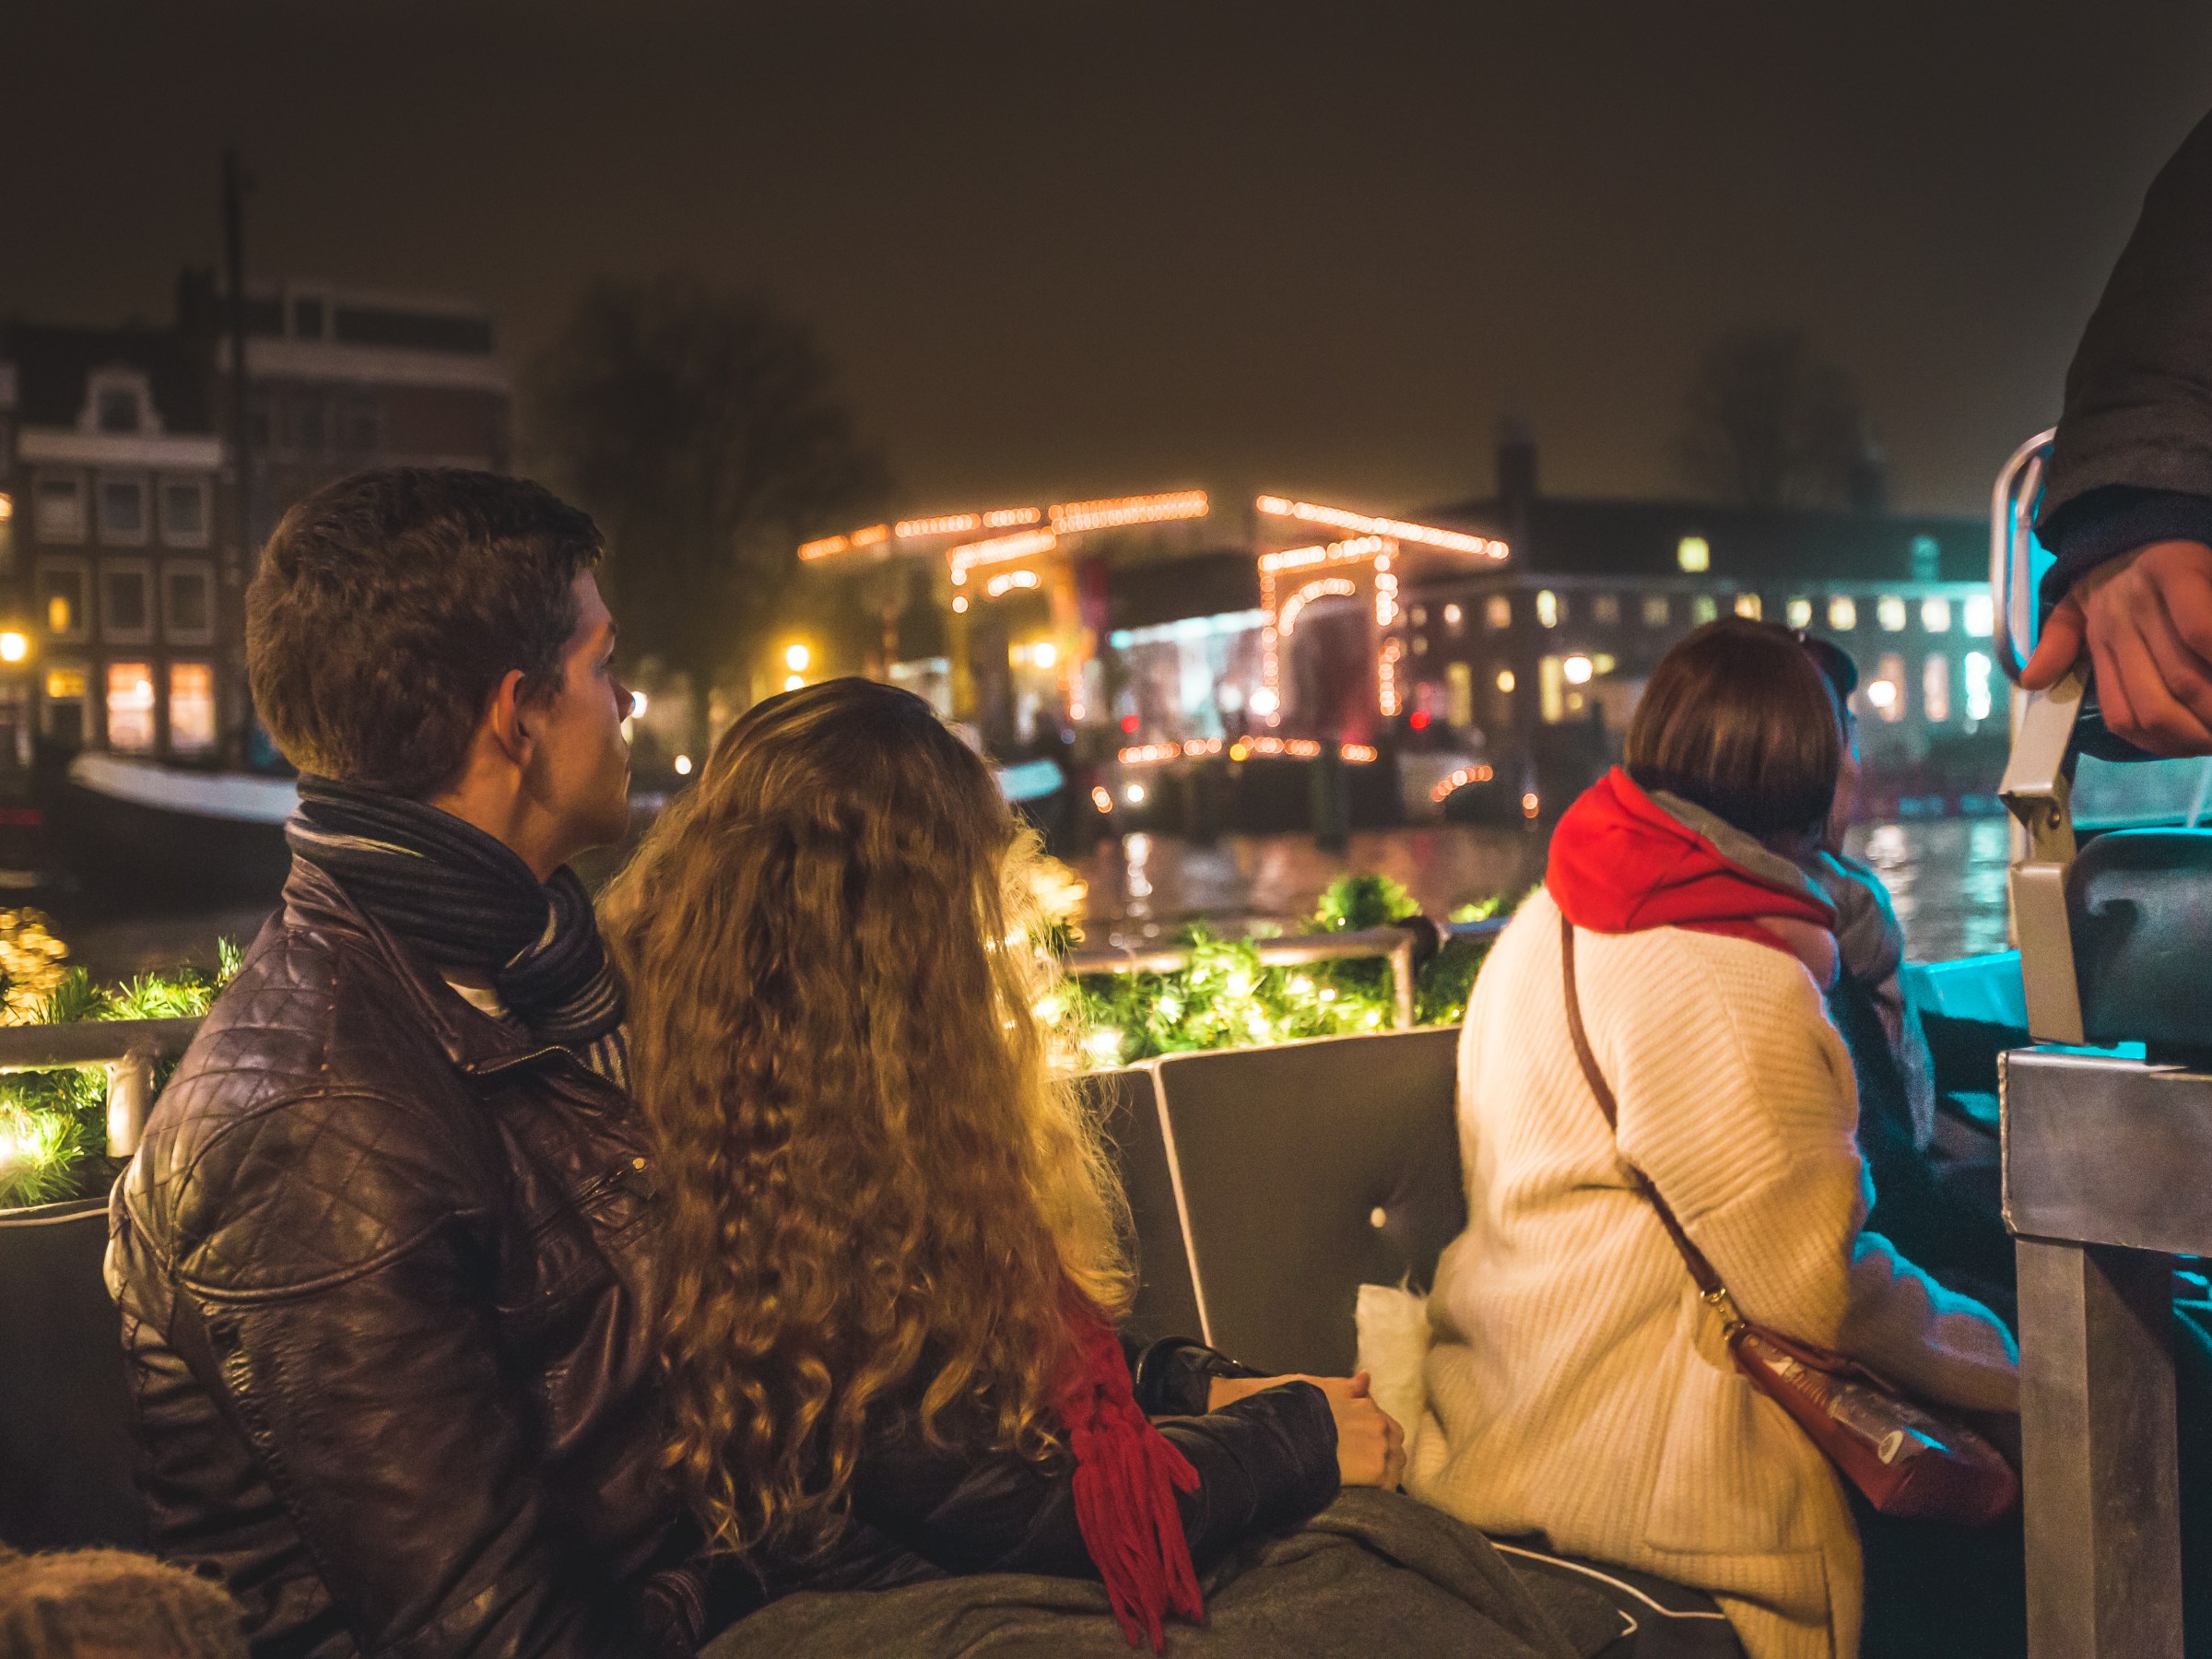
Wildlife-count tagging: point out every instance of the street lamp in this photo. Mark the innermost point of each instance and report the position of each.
(14, 646)
(796, 657)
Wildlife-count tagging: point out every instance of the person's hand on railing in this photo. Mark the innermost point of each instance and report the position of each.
(2145, 619)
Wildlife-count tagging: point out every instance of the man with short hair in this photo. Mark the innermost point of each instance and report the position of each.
(384, 1254)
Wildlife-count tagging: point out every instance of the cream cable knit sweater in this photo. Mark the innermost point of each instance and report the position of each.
(1576, 1384)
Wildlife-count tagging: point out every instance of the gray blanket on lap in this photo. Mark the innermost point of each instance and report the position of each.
(1373, 1572)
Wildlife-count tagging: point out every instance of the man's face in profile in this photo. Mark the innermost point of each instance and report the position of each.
(579, 768)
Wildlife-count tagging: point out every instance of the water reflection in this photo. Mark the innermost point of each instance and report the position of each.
(1946, 875)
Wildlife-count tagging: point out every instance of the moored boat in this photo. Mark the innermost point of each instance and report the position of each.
(170, 834)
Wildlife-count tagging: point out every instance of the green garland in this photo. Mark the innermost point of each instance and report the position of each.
(53, 1125)
(1228, 998)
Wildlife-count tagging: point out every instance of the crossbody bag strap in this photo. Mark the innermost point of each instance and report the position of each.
(1708, 1281)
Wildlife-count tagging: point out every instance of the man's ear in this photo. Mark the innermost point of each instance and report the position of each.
(508, 721)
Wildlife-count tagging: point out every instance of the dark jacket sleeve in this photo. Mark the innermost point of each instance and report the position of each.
(363, 1362)
(1265, 1464)
(2136, 430)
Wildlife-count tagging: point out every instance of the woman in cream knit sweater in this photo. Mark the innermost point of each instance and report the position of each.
(1577, 1385)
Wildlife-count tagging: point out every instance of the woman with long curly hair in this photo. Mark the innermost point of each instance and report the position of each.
(895, 1241)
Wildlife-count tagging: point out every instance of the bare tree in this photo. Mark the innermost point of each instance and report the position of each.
(1769, 424)
(707, 433)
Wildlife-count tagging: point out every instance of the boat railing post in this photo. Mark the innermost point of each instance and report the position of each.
(1402, 978)
(130, 1099)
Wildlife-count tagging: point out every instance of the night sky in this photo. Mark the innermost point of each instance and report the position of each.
(1067, 249)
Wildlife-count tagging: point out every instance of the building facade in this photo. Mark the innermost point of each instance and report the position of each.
(116, 630)
(1502, 642)
(340, 379)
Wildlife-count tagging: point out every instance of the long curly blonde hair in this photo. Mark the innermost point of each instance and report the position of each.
(877, 1188)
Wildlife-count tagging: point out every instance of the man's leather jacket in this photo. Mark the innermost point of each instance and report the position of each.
(382, 1264)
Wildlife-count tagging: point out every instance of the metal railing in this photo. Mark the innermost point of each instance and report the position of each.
(128, 1049)
(2011, 551)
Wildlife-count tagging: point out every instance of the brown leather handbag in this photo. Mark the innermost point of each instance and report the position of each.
(1907, 1459)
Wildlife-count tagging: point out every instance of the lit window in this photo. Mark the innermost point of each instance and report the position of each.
(1935, 688)
(1799, 612)
(1605, 610)
(1656, 612)
(62, 718)
(1981, 617)
(1885, 691)
(1747, 605)
(1842, 612)
(1935, 615)
(1889, 611)
(1505, 680)
(1452, 615)
(1459, 682)
(126, 609)
(62, 599)
(183, 514)
(187, 613)
(1419, 616)
(1547, 609)
(61, 513)
(1693, 554)
(123, 511)
(1498, 611)
(1977, 686)
(131, 707)
(1927, 559)
(1704, 608)
(190, 708)
(1551, 691)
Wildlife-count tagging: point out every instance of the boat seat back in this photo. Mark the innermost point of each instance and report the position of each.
(1301, 1172)
(1127, 1104)
(66, 1456)
(2139, 902)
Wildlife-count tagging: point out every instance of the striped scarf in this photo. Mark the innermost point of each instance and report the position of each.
(467, 901)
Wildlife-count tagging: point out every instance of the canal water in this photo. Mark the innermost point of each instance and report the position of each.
(1946, 875)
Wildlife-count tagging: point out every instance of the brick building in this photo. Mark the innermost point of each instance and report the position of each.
(338, 380)
(116, 632)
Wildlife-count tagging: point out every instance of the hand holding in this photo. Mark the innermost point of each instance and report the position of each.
(2146, 620)
(1370, 1447)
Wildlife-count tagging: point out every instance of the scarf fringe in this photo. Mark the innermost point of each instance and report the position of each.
(1126, 1477)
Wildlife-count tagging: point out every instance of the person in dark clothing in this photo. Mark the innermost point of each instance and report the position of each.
(1943, 1217)
(2127, 505)
(385, 1257)
(895, 1252)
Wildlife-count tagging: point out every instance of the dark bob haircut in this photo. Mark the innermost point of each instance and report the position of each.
(388, 607)
(1739, 720)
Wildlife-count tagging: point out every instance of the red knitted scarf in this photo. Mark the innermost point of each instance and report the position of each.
(1126, 1478)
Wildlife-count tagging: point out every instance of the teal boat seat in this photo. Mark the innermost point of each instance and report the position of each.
(2140, 906)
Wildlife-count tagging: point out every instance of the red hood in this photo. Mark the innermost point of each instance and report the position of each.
(1620, 862)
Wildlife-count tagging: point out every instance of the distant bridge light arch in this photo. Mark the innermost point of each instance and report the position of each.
(1328, 587)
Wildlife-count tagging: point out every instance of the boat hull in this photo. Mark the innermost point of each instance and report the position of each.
(157, 836)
